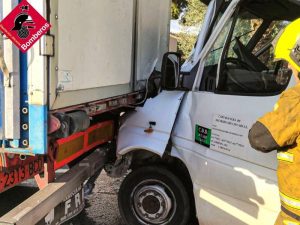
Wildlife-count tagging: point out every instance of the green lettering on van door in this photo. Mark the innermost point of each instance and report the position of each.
(203, 136)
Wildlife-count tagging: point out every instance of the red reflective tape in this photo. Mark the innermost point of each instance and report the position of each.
(90, 141)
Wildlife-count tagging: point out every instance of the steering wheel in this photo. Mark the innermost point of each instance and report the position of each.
(237, 62)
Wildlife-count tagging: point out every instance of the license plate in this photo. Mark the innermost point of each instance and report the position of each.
(72, 205)
(21, 173)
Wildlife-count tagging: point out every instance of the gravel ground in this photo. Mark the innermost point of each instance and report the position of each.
(102, 205)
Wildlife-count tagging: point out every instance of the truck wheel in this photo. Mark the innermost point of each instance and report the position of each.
(153, 195)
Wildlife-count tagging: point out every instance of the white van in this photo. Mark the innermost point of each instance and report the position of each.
(188, 147)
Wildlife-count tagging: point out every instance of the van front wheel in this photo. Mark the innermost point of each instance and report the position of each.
(153, 195)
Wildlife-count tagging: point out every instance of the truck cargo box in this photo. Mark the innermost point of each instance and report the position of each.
(95, 50)
(104, 47)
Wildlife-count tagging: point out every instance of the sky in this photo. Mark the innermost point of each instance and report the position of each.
(177, 28)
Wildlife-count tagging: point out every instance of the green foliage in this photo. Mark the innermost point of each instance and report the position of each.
(186, 44)
(190, 14)
(194, 13)
(175, 11)
(177, 8)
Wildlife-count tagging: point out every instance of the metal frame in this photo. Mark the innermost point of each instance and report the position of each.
(60, 153)
(38, 128)
(107, 127)
(208, 45)
(40, 204)
(104, 105)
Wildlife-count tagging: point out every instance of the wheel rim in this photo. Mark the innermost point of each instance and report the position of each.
(153, 202)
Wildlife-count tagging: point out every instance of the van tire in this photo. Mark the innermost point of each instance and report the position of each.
(153, 195)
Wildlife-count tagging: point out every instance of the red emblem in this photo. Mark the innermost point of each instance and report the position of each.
(24, 26)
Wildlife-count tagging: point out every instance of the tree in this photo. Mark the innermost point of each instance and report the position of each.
(185, 44)
(177, 8)
(190, 14)
(193, 14)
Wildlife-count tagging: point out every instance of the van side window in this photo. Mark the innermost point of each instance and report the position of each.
(208, 82)
(246, 65)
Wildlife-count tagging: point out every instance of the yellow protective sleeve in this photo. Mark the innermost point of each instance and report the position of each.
(284, 122)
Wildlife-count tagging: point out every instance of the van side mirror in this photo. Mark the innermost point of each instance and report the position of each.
(170, 71)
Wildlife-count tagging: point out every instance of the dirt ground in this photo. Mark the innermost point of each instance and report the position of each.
(101, 207)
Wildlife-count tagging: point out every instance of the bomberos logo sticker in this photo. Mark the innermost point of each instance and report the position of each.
(24, 26)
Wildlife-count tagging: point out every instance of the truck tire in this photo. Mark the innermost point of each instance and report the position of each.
(153, 195)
